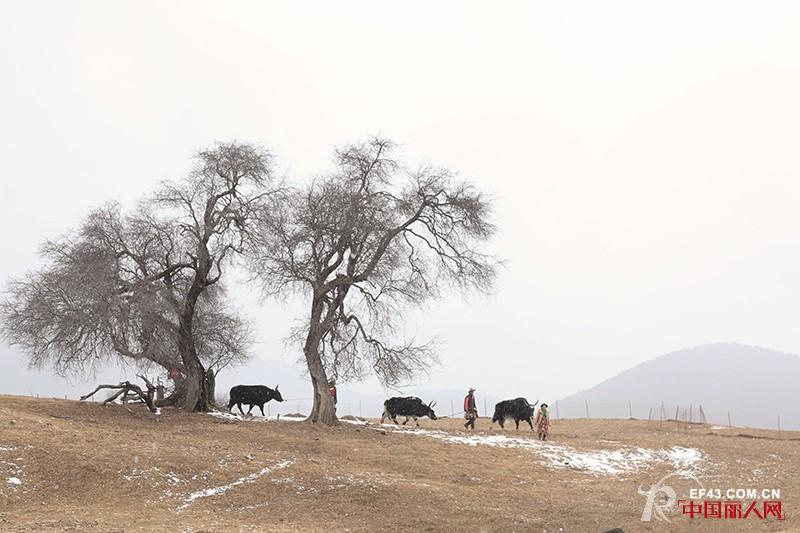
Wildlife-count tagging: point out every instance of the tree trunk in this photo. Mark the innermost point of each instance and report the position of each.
(323, 409)
(196, 380)
(211, 386)
(196, 398)
(160, 395)
(178, 394)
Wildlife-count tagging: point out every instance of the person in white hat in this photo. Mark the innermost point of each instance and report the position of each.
(470, 409)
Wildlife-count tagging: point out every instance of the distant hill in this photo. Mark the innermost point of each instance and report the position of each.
(754, 384)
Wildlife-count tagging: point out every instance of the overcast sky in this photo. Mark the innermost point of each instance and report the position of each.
(644, 157)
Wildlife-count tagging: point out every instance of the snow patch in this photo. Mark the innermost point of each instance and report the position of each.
(622, 461)
(234, 418)
(222, 415)
(619, 461)
(156, 476)
(354, 422)
(12, 471)
(328, 483)
(216, 491)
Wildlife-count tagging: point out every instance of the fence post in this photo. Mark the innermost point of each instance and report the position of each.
(587, 408)
(730, 426)
(484, 408)
(649, 416)
(690, 413)
(630, 410)
(676, 413)
(779, 425)
(558, 417)
(452, 409)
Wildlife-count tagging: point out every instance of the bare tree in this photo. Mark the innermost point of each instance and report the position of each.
(212, 210)
(147, 286)
(362, 243)
(98, 297)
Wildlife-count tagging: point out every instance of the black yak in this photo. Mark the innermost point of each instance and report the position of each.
(518, 409)
(253, 395)
(410, 407)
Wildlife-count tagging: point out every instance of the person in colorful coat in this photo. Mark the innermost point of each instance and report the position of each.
(470, 409)
(542, 422)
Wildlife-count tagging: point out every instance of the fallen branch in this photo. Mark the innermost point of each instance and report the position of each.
(128, 391)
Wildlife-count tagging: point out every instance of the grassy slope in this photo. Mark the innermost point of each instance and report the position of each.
(73, 459)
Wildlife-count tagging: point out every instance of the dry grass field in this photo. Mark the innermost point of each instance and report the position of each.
(72, 466)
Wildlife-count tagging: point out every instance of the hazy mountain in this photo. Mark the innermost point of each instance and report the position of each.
(754, 384)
